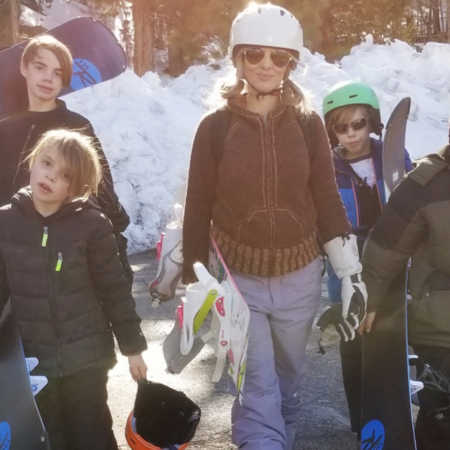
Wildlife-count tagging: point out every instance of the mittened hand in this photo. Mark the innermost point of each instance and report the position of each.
(354, 299)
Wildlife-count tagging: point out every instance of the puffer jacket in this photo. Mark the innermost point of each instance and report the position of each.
(20, 132)
(270, 199)
(67, 286)
(415, 223)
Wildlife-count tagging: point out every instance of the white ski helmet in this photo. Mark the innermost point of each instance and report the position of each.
(266, 25)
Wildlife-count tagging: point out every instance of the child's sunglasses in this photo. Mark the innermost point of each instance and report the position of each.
(280, 58)
(342, 128)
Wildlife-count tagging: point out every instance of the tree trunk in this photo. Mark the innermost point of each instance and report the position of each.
(176, 64)
(143, 15)
(447, 16)
(14, 20)
(436, 23)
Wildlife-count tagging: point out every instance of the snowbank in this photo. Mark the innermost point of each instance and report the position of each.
(147, 124)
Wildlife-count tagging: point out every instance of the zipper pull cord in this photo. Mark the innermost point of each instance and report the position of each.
(44, 237)
(59, 262)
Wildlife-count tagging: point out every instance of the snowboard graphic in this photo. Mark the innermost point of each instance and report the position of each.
(21, 427)
(212, 311)
(394, 146)
(386, 416)
(237, 334)
(97, 57)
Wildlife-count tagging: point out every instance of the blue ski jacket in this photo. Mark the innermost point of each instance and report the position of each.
(351, 188)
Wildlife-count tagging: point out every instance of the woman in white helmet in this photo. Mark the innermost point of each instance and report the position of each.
(261, 181)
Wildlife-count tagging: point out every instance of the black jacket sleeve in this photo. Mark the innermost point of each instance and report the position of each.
(112, 288)
(107, 197)
(4, 288)
(396, 236)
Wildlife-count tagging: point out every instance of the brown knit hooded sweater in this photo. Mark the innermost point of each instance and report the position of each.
(269, 201)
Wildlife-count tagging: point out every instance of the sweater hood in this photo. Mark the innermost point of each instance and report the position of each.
(445, 154)
(429, 166)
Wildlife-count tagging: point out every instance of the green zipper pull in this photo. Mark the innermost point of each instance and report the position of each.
(59, 262)
(44, 237)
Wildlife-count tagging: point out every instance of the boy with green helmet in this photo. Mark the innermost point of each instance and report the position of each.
(352, 112)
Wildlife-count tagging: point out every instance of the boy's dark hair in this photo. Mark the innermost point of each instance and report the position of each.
(52, 44)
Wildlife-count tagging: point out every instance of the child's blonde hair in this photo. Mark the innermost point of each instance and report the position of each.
(80, 156)
(52, 44)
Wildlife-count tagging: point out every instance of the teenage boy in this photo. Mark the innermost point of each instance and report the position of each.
(46, 65)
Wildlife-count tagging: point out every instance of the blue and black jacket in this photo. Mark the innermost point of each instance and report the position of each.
(362, 202)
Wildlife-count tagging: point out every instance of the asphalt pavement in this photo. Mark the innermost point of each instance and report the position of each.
(323, 422)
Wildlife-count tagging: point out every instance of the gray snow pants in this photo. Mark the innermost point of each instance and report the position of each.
(282, 310)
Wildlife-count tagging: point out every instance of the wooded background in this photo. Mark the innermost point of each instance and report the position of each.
(170, 35)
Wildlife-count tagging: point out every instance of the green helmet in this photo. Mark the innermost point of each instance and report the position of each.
(350, 93)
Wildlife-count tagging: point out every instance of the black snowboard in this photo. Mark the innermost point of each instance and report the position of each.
(21, 427)
(97, 57)
(386, 415)
(386, 401)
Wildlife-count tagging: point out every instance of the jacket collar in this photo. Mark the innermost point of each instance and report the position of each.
(23, 201)
(54, 113)
(343, 165)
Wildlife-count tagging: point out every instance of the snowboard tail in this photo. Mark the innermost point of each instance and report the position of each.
(21, 427)
(386, 418)
(97, 56)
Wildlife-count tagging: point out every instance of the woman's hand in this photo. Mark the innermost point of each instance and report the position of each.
(367, 323)
(138, 368)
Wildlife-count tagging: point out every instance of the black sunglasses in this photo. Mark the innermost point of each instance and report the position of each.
(280, 58)
(342, 128)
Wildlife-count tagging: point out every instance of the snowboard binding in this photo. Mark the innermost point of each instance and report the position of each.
(227, 330)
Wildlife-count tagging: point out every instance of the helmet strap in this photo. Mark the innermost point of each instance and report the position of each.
(259, 94)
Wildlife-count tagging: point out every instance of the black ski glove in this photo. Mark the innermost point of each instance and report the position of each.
(333, 327)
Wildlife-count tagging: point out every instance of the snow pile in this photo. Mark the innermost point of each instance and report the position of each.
(147, 124)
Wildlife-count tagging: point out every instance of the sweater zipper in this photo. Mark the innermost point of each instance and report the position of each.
(52, 294)
(268, 184)
(270, 180)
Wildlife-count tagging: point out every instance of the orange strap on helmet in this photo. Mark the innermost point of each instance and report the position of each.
(136, 442)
